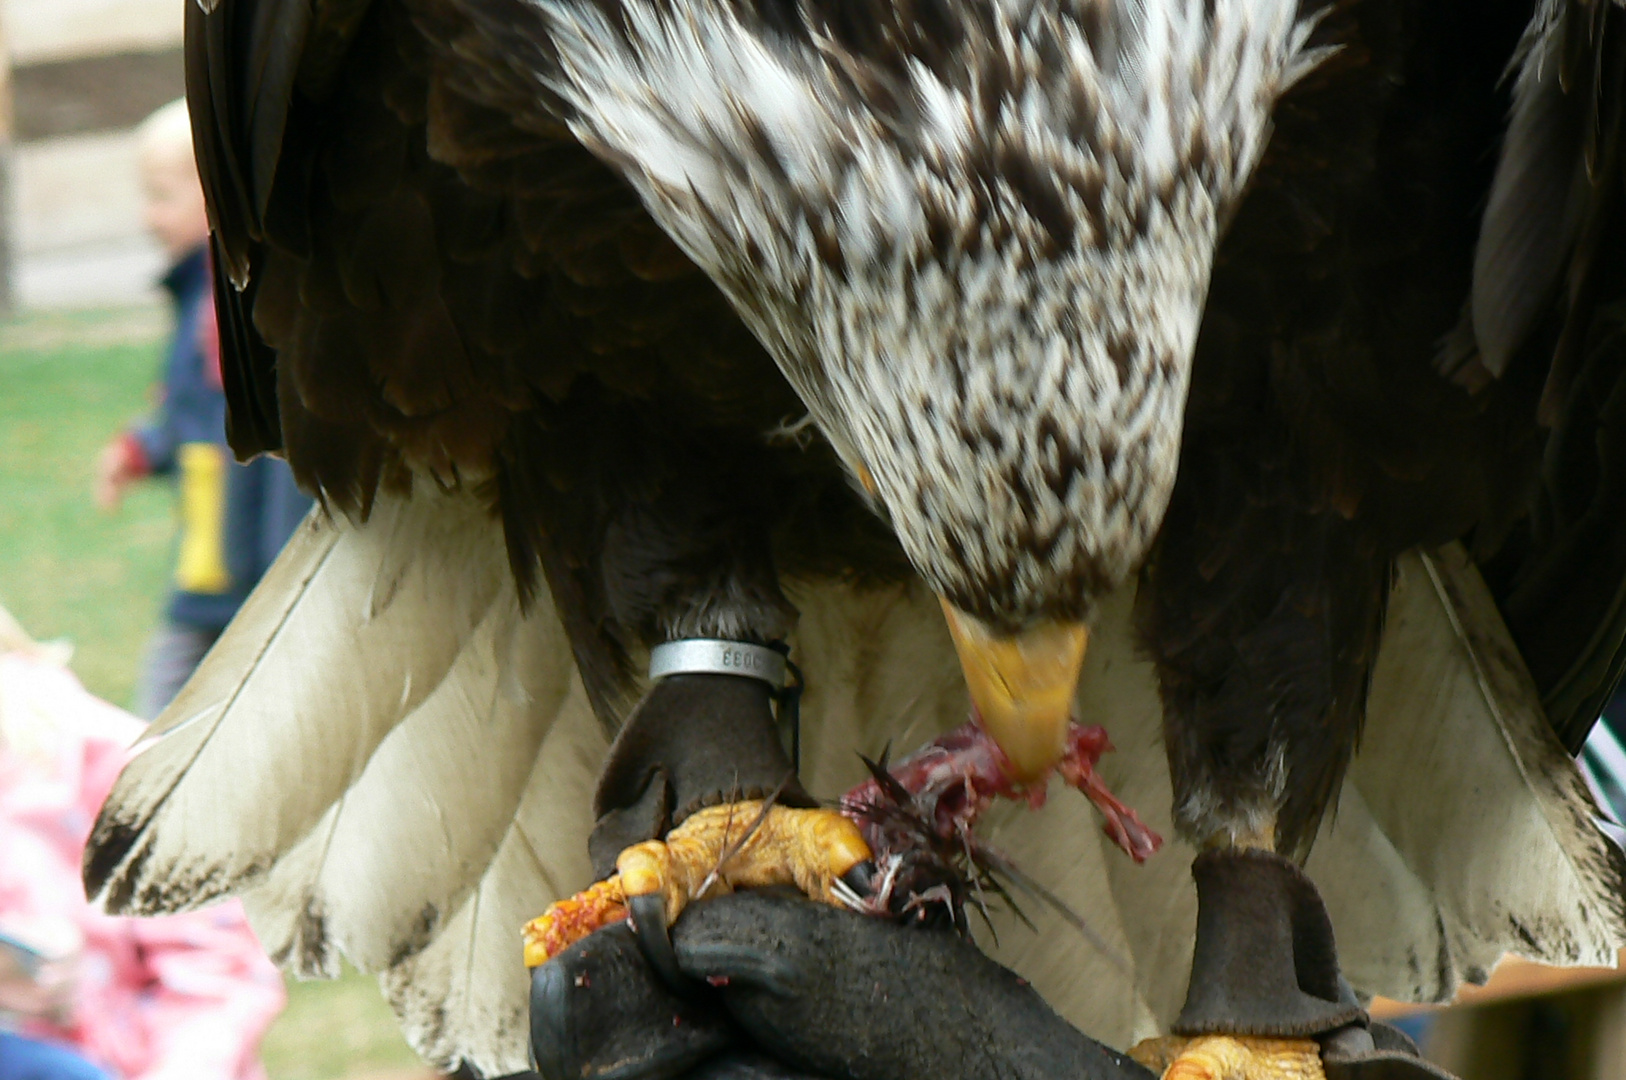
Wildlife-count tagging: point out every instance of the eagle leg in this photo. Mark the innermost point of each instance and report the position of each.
(1266, 1000)
(698, 797)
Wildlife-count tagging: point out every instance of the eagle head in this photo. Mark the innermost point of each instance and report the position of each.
(978, 246)
(1002, 332)
(1019, 426)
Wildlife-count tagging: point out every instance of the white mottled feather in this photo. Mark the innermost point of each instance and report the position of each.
(1460, 821)
(876, 240)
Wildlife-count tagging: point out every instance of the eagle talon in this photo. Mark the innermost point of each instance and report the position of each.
(647, 914)
(713, 852)
(860, 880)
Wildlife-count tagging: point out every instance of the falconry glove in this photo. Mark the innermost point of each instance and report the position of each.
(786, 988)
(1265, 963)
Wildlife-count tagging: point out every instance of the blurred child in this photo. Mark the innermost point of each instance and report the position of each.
(88, 996)
(233, 518)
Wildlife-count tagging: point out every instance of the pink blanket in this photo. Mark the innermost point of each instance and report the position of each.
(183, 996)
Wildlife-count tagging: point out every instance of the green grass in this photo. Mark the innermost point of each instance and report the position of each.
(67, 384)
(67, 570)
(335, 1029)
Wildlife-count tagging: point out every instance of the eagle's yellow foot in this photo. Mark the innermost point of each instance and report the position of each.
(1231, 1057)
(714, 852)
(737, 845)
(568, 921)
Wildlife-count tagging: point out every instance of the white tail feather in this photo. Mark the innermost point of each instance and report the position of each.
(466, 994)
(390, 861)
(391, 763)
(1463, 831)
(1471, 809)
(348, 633)
(1146, 913)
(385, 758)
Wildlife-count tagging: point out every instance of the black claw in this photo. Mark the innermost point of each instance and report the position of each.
(648, 917)
(861, 878)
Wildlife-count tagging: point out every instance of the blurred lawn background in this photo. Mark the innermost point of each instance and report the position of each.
(68, 383)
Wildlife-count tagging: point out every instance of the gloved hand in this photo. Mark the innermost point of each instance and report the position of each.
(793, 990)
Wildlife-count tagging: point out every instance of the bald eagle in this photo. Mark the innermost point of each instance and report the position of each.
(1271, 349)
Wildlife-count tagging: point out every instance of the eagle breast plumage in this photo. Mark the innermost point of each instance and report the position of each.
(977, 244)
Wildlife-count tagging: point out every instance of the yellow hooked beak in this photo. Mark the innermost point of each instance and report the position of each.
(1022, 686)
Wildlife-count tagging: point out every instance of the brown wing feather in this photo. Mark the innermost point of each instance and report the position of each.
(1321, 440)
(1561, 578)
(1329, 429)
(439, 282)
